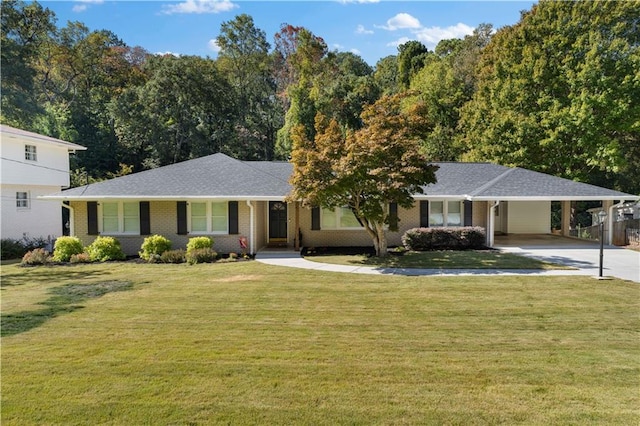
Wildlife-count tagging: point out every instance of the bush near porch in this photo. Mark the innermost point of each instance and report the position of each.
(454, 238)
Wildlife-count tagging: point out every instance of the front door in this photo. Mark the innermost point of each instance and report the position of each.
(277, 221)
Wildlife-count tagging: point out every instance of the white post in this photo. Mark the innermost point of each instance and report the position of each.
(491, 221)
(252, 232)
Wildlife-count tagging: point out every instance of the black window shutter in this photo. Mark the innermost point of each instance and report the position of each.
(233, 217)
(315, 219)
(468, 213)
(424, 213)
(145, 218)
(92, 217)
(393, 217)
(182, 217)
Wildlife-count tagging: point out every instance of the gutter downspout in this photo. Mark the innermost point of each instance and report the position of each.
(252, 232)
(491, 223)
(72, 218)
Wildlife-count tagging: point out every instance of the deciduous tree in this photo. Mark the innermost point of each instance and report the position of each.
(365, 170)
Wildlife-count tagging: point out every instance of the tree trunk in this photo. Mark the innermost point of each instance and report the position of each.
(381, 249)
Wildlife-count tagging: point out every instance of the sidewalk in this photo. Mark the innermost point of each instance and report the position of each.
(292, 259)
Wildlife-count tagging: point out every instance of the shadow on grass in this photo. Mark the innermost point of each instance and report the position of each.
(47, 274)
(63, 300)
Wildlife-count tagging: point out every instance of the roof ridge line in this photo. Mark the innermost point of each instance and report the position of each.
(493, 181)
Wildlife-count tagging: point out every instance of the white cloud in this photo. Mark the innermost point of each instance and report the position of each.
(431, 36)
(337, 46)
(401, 21)
(199, 6)
(83, 5)
(401, 40)
(213, 45)
(362, 30)
(167, 53)
(355, 51)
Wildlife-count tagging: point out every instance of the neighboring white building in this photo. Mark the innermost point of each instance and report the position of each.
(32, 165)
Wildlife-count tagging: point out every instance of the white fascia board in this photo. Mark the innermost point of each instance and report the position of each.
(160, 198)
(557, 198)
(441, 197)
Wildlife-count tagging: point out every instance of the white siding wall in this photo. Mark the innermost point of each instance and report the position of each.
(529, 217)
(51, 167)
(40, 219)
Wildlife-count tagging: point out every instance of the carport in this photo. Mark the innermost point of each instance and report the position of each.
(582, 254)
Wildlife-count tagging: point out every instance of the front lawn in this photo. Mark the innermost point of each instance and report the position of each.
(247, 343)
(441, 259)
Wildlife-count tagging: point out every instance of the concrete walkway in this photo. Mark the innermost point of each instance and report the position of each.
(627, 264)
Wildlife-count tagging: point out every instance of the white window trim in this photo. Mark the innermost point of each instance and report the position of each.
(209, 231)
(28, 153)
(120, 219)
(338, 214)
(27, 200)
(445, 213)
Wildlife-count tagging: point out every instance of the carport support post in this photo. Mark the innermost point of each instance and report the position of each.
(602, 216)
(566, 218)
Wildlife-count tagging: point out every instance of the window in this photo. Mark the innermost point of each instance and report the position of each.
(443, 213)
(209, 217)
(120, 217)
(339, 218)
(30, 153)
(22, 200)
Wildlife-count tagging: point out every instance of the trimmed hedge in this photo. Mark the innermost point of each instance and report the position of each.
(454, 238)
(103, 249)
(197, 243)
(153, 247)
(65, 247)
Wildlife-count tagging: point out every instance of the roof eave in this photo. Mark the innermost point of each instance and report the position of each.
(162, 197)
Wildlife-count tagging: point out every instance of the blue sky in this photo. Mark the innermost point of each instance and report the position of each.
(372, 29)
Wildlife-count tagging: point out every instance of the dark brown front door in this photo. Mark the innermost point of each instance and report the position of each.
(277, 221)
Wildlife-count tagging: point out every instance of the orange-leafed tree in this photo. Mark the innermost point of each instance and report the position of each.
(365, 170)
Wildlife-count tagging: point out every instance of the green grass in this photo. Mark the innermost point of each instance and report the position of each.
(444, 259)
(248, 343)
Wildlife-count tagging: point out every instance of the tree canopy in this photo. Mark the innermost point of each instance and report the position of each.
(557, 92)
(366, 169)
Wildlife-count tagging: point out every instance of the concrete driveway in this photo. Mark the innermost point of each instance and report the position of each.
(585, 255)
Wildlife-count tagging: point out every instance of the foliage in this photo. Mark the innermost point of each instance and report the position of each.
(454, 238)
(153, 246)
(65, 247)
(558, 93)
(366, 169)
(80, 258)
(196, 243)
(103, 249)
(173, 256)
(37, 256)
(16, 248)
(201, 255)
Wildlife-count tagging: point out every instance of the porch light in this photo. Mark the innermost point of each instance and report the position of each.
(602, 215)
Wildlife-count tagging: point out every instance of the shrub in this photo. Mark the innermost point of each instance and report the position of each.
(37, 256)
(173, 256)
(105, 248)
(458, 238)
(154, 246)
(196, 243)
(11, 248)
(80, 258)
(201, 255)
(65, 247)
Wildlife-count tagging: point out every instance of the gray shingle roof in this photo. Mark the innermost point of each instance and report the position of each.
(213, 176)
(486, 181)
(220, 176)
